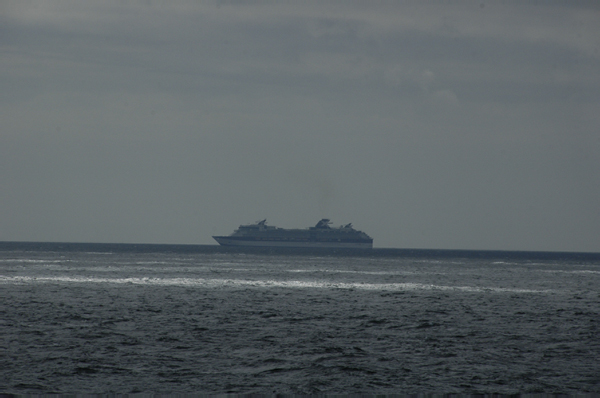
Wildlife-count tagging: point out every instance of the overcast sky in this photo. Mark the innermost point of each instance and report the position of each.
(447, 124)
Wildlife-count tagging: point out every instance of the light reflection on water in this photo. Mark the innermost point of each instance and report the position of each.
(200, 282)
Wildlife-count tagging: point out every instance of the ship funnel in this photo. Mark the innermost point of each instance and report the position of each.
(324, 223)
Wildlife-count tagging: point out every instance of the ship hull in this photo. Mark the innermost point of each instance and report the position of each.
(241, 242)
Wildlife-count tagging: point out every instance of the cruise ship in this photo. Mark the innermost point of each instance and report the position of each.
(321, 235)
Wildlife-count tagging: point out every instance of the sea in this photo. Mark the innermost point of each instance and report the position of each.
(190, 319)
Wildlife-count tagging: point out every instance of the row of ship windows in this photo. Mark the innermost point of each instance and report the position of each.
(301, 239)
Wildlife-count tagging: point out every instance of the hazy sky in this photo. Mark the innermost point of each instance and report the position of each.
(446, 124)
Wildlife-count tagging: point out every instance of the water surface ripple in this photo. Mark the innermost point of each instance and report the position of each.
(220, 323)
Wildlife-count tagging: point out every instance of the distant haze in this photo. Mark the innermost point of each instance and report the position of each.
(454, 125)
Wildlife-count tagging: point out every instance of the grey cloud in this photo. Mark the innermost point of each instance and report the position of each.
(449, 127)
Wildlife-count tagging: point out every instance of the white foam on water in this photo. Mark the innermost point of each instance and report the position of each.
(217, 283)
(337, 271)
(573, 272)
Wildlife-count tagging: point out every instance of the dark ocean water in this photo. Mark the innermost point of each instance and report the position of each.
(87, 318)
